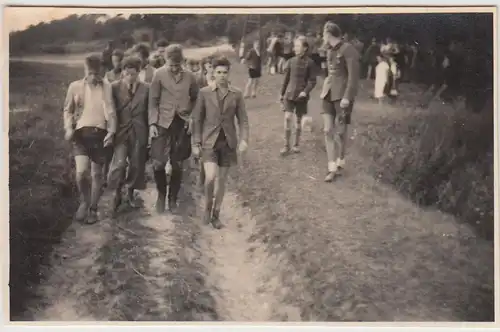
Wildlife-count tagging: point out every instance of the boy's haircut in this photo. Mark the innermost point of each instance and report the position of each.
(162, 43)
(221, 61)
(303, 40)
(94, 62)
(333, 29)
(142, 49)
(132, 62)
(118, 53)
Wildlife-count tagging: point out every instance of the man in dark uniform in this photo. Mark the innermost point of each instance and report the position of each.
(172, 95)
(339, 90)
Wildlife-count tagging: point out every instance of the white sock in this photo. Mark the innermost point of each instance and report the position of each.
(341, 162)
(332, 166)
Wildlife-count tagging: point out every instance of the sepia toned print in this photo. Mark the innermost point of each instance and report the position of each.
(267, 166)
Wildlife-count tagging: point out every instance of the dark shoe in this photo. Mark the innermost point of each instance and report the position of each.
(160, 203)
(216, 221)
(92, 218)
(82, 212)
(172, 205)
(131, 198)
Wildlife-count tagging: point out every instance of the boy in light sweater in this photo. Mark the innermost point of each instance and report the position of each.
(90, 124)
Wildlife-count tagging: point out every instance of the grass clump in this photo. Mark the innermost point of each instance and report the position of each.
(442, 157)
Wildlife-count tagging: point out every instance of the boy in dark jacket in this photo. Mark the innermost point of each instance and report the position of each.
(300, 79)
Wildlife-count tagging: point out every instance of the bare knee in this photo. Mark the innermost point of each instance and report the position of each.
(82, 173)
(288, 120)
(96, 172)
(210, 173)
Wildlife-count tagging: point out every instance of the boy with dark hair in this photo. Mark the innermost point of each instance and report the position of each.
(130, 96)
(115, 73)
(214, 135)
(147, 71)
(299, 81)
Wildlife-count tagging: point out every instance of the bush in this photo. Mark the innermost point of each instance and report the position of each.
(440, 157)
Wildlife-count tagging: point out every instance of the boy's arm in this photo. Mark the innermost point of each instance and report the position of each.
(198, 116)
(286, 80)
(154, 99)
(311, 77)
(69, 108)
(242, 116)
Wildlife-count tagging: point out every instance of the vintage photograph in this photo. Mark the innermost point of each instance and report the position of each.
(251, 164)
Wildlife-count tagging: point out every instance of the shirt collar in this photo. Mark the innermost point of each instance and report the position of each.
(213, 86)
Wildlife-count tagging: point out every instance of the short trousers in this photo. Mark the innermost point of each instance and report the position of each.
(221, 153)
(288, 56)
(172, 143)
(254, 72)
(333, 108)
(294, 106)
(317, 59)
(89, 142)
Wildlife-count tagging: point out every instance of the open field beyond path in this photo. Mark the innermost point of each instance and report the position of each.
(294, 248)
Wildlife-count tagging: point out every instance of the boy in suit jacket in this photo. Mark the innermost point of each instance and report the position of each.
(172, 95)
(214, 135)
(339, 90)
(130, 96)
(299, 81)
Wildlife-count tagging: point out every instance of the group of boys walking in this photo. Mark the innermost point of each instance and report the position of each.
(151, 107)
(135, 112)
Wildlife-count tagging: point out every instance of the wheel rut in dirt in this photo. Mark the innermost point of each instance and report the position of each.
(143, 266)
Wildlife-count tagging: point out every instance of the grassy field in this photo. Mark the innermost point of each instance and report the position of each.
(355, 250)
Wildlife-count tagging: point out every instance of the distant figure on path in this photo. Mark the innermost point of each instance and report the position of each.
(172, 95)
(147, 71)
(371, 59)
(115, 73)
(254, 63)
(90, 124)
(382, 77)
(299, 81)
(215, 138)
(130, 96)
(106, 57)
(339, 90)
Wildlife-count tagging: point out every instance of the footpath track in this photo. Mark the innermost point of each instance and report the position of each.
(293, 249)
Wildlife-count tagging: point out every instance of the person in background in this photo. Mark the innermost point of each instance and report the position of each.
(215, 138)
(322, 51)
(157, 58)
(254, 63)
(299, 81)
(147, 71)
(241, 51)
(278, 50)
(313, 50)
(115, 73)
(271, 53)
(172, 95)
(339, 91)
(387, 47)
(90, 124)
(106, 57)
(414, 55)
(382, 76)
(372, 59)
(130, 96)
(288, 46)
(395, 77)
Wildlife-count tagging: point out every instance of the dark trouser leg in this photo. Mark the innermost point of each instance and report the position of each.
(175, 181)
(161, 186)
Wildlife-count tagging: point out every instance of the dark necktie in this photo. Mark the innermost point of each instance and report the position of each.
(131, 90)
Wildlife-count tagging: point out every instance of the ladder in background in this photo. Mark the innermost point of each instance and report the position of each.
(251, 23)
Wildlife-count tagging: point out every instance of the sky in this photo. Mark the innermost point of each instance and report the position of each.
(20, 18)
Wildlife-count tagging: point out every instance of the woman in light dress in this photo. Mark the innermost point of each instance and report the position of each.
(382, 77)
